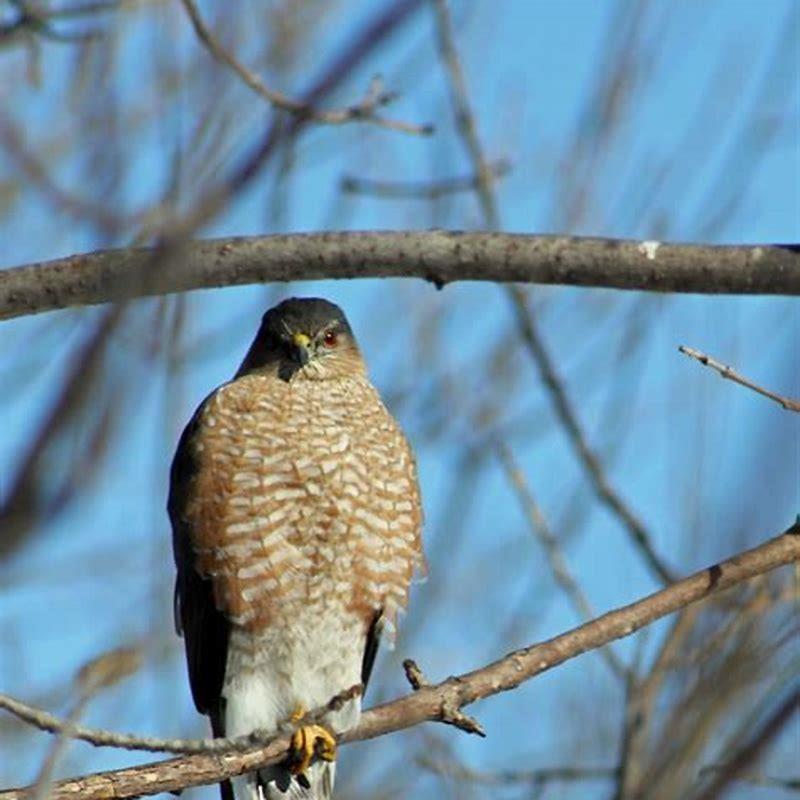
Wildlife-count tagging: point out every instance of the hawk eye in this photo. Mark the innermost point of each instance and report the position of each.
(330, 339)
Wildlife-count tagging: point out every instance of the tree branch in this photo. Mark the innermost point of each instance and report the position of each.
(364, 111)
(605, 491)
(438, 256)
(431, 703)
(555, 557)
(420, 190)
(730, 373)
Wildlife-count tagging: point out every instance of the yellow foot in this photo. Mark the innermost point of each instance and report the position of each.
(308, 742)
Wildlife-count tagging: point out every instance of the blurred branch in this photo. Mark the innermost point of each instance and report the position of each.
(98, 674)
(422, 190)
(371, 36)
(762, 738)
(32, 20)
(364, 111)
(527, 325)
(431, 703)
(39, 175)
(89, 8)
(555, 558)
(465, 120)
(640, 702)
(509, 777)
(729, 373)
(440, 257)
(24, 503)
(594, 469)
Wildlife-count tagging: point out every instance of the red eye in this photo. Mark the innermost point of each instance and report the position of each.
(330, 339)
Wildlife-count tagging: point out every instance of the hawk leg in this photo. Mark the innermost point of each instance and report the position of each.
(308, 742)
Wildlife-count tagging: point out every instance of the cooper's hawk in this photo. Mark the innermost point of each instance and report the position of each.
(296, 523)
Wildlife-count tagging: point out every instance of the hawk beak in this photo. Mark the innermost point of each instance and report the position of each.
(301, 344)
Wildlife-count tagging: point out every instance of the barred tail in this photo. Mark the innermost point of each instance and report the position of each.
(277, 783)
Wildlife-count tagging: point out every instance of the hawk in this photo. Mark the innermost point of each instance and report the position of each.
(296, 522)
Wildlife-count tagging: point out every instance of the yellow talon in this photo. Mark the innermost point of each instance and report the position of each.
(308, 742)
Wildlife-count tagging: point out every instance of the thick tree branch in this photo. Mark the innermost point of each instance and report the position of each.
(438, 256)
(430, 703)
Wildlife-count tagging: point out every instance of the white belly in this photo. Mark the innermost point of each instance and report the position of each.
(302, 665)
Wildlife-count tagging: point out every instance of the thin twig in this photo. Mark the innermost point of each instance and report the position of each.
(555, 558)
(465, 120)
(98, 674)
(762, 738)
(100, 737)
(640, 701)
(31, 20)
(23, 504)
(731, 374)
(364, 111)
(505, 777)
(420, 190)
(376, 31)
(427, 703)
(588, 458)
(38, 175)
(466, 125)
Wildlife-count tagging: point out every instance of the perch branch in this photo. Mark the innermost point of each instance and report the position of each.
(429, 703)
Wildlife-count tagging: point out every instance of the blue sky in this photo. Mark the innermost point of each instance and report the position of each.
(708, 149)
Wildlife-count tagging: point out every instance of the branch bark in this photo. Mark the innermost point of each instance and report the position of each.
(437, 256)
(429, 703)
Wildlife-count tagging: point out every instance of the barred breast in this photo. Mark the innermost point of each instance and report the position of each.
(305, 494)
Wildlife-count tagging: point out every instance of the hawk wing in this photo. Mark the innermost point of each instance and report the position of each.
(371, 649)
(205, 629)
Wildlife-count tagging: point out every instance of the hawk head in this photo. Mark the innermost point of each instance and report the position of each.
(304, 338)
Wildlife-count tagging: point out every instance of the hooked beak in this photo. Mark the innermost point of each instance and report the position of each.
(301, 344)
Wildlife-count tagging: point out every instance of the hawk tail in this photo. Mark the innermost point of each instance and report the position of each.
(277, 783)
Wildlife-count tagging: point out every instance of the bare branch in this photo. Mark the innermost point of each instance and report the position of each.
(536, 777)
(98, 674)
(468, 129)
(23, 505)
(594, 469)
(99, 737)
(420, 190)
(365, 111)
(38, 175)
(438, 256)
(430, 703)
(465, 120)
(750, 753)
(640, 702)
(729, 373)
(370, 36)
(555, 558)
